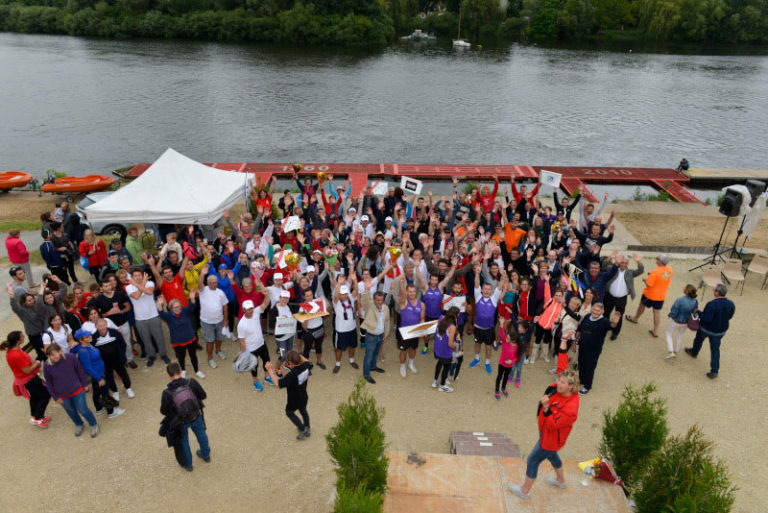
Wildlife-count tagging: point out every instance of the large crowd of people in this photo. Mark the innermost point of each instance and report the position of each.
(497, 273)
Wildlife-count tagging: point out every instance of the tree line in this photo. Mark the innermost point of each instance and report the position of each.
(378, 22)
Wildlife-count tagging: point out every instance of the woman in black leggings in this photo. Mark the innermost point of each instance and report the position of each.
(295, 382)
(26, 382)
(183, 334)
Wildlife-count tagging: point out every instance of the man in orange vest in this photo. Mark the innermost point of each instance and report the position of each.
(655, 292)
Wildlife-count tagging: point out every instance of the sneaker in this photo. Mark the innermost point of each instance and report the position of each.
(555, 482)
(301, 435)
(221, 355)
(424, 350)
(711, 375)
(132, 365)
(448, 382)
(354, 365)
(370, 380)
(412, 367)
(95, 430)
(116, 413)
(402, 370)
(79, 430)
(47, 418)
(150, 361)
(336, 369)
(116, 396)
(183, 374)
(206, 459)
(165, 359)
(434, 384)
(518, 490)
(130, 393)
(531, 361)
(212, 364)
(474, 363)
(258, 386)
(503, 391)
(670, 355)
(269, 380)
(546, 356)
(321, 365)
(497, 396)
(517, 382)
(445, 388)
(488, 368)
(41, 423)
(526, 361)
(200, 374)
(307, 432)
(584, 391)
(101, 411)
(378, 369)
(689, 352)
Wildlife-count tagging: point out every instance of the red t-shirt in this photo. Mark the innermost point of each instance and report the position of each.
(174, 289)
(17, 360)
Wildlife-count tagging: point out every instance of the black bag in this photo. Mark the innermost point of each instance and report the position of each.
(187, 405)
(109, 401)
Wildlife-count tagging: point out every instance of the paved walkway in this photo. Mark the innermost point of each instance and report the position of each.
(31, 239)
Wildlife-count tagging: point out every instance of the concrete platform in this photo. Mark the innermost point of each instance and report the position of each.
(445, 483)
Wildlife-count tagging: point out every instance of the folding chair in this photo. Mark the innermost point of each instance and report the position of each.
(759, 265)
(732, 271)
(711, 278)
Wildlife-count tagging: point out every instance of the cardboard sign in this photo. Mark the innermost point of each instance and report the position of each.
(313, 307)
(301, 316)
(380, 188)
(459, 302)
(550, 178)
(292, 223)
(285, 326)
(411, 185)
(418, 330)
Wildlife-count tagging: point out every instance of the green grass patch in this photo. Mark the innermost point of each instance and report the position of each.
(25, 226)
(35, 258)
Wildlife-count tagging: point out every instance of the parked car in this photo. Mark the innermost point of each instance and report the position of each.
(115, 229)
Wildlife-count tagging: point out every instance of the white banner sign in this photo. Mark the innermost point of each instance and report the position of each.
(550, 178)
(381, 188)
(285, 326)
(292, 223)
(459, 302)
(411, 185)
(418, 330)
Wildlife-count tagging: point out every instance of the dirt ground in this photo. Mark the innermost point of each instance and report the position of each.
(25, 206)
(258, 465)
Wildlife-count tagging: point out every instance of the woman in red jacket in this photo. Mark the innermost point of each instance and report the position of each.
(558, 410)
(95, 251)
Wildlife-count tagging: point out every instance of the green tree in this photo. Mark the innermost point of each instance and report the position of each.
(544, 24)
(477, 13)
(700, 19)
(576, 18)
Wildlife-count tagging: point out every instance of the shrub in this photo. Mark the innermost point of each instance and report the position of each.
(469, 187)
(356, 444)
(684, 477)
(634, 431)
(357, 500)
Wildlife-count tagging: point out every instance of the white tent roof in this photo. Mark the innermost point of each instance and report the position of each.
(175, 189)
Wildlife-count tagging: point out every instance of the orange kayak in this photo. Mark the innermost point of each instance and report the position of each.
(12, 179)
(90, 183)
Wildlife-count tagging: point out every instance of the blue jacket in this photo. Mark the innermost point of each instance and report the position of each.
(223, 283)
(180, 326)
(600, 283)
(682, 309)
(51, 255)
(90, 359)
(715, 317)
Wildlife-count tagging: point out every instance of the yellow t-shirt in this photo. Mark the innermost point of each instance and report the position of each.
(657, 283)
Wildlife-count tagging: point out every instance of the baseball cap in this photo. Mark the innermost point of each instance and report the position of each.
(317, 251)
(223, 266)
(353, 209)
(277, 276)
(247, 304)
(388, 219)
(14, 270)
(365, 218)
(285, 293)
(81, 333)
(663, 258)
(116, 240)
(111, 252)
(343, 289)
(310, 268)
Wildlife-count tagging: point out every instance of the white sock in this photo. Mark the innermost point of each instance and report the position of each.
(487, 361)
(477, 357)
(338, 364)
(410, 360)
(351, 360)
(402, 366)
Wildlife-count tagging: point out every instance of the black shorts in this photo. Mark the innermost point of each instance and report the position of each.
(649, 303)
(485, 336)
(345, 340)
(411, 343)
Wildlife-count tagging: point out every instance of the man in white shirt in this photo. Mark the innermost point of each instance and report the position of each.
(345, 323)
(141, 291)
(282, 310)
(213, 314)
(314, 332)
(621, 286)
(251, 338)
(376, 325)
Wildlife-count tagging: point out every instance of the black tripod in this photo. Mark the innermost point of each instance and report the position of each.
(734, 252)
(717, 253)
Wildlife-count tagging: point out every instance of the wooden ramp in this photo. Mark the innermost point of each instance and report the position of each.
(447, 483)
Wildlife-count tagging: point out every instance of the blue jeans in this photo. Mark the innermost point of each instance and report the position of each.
(73, 405)
(537, 456)
(714, 348)
(372, 348)
(198, 427)
(517, 368)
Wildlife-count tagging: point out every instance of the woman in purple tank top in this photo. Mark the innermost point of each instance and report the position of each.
(445, 342)
(433, 301)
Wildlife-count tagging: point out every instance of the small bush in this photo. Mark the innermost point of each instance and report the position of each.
(357, 500)
(356, 444)
(684, 477)
(469, 187)
(634, 431)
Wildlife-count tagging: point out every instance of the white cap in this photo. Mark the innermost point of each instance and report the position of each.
(247, 304)
(285, 293)
(278, 276)
(317, 251)
(343, 289)
(310, 269)
(365, 218)
(352, 208)
(388, 219)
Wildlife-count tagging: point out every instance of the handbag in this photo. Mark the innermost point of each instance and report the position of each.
(84, 262)
(693, 321)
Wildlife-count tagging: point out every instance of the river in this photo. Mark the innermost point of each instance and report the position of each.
(83, 106)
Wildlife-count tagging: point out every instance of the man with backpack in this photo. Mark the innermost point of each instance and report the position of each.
(182, 406)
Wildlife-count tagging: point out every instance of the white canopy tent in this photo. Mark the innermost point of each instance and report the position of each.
(175, 189)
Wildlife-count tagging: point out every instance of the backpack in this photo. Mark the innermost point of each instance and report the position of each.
(187, 405)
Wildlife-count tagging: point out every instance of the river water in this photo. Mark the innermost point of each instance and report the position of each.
(83, 106)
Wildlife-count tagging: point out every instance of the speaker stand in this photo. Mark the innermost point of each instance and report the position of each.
(717, 252)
